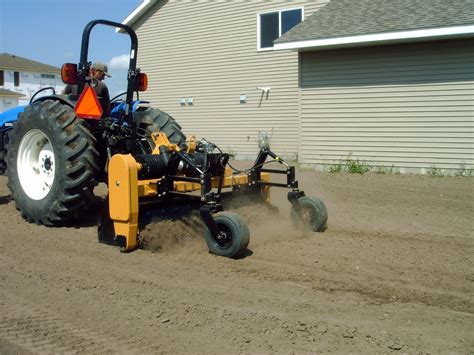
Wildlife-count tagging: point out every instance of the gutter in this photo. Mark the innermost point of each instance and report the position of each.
(12, 95)
(379, 38)
(137, 13)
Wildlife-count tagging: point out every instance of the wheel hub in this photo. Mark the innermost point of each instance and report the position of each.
(36, 164)
(224, 238)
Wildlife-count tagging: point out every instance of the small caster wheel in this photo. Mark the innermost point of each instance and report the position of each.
(233, 237)
(312, 214)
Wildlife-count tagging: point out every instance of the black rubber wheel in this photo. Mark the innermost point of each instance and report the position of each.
(51, 163)
(313, 214)
(154, 120)
(235, 235)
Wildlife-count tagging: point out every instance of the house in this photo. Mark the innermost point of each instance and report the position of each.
(390, 82)
(8, 99)
(387, 82)
(25, 77)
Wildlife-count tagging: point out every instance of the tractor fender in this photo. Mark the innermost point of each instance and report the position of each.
(61, 98)
(10, 116)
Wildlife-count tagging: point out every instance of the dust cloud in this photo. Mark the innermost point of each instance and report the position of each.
(174, 234)
(185, 233)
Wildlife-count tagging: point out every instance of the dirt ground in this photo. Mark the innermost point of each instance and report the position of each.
(392, 273)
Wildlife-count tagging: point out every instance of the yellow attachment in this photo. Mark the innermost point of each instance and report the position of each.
(191, 145)
(265, 189)
(125, 190)
(161, 139)
(123, 198)
(147, 188)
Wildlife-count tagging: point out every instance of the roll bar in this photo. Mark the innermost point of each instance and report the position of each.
(84, 65)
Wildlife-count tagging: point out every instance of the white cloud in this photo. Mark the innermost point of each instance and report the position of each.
(119, 62)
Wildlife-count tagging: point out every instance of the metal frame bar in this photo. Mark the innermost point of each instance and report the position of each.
(132, 69)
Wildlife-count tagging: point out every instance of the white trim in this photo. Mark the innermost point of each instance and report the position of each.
(259, 49)
(137, 13)
(378, 38)
(279, 24)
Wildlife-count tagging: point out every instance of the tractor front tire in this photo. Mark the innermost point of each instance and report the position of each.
(51, 164)
(154, 120)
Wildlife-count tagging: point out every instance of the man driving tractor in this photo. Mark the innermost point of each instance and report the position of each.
(98, 71)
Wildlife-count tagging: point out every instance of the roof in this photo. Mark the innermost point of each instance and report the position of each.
(138, 12)
(344, 22)
(8, 93)
(14, 62)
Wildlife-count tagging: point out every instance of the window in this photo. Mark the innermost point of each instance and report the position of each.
(47, 76)
(272, 25)
(2, 78)
(16, 78)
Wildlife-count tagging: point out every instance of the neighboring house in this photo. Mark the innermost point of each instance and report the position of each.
(25, 76)
(387, 82)
(8, 99)
(391, 82)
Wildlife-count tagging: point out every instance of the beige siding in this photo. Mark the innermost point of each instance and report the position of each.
(208, 50)
(409, 106)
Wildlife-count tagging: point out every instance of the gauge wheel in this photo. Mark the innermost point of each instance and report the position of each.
(233, 237)
(311, 215)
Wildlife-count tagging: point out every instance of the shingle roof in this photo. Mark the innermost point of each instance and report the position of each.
(341, 18)
(14, 62)
(5, 92)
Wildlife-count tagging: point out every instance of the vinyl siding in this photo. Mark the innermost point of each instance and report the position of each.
(408, 106)
(207, 50)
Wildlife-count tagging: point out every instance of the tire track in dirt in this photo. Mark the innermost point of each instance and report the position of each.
(30, 329)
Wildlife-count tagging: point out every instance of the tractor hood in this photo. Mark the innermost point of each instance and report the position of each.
(11, 115)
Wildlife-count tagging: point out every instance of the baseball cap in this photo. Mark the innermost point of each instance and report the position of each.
(101, 66)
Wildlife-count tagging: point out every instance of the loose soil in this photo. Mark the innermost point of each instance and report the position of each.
(393, 272)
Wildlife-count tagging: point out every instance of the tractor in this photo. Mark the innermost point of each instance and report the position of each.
(60, 147)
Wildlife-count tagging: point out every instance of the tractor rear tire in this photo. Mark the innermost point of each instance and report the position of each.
(237, 235)
(51, 164)
(154, 120)
(312, 215)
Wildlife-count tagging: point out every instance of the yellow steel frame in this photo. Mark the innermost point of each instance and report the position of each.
(125, 190)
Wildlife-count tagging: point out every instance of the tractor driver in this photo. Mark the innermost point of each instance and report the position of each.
(98, 72)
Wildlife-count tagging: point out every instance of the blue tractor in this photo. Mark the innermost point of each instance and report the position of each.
(54, 159)
(8, 118)
(57, 149)
(6, 124)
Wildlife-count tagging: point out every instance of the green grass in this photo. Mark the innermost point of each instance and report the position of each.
(349, 165)
(463, 171)
(355, 166)
(386, 170)
(435, 171)
(335, 168)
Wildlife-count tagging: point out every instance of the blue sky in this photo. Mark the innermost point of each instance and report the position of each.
(50, 31)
